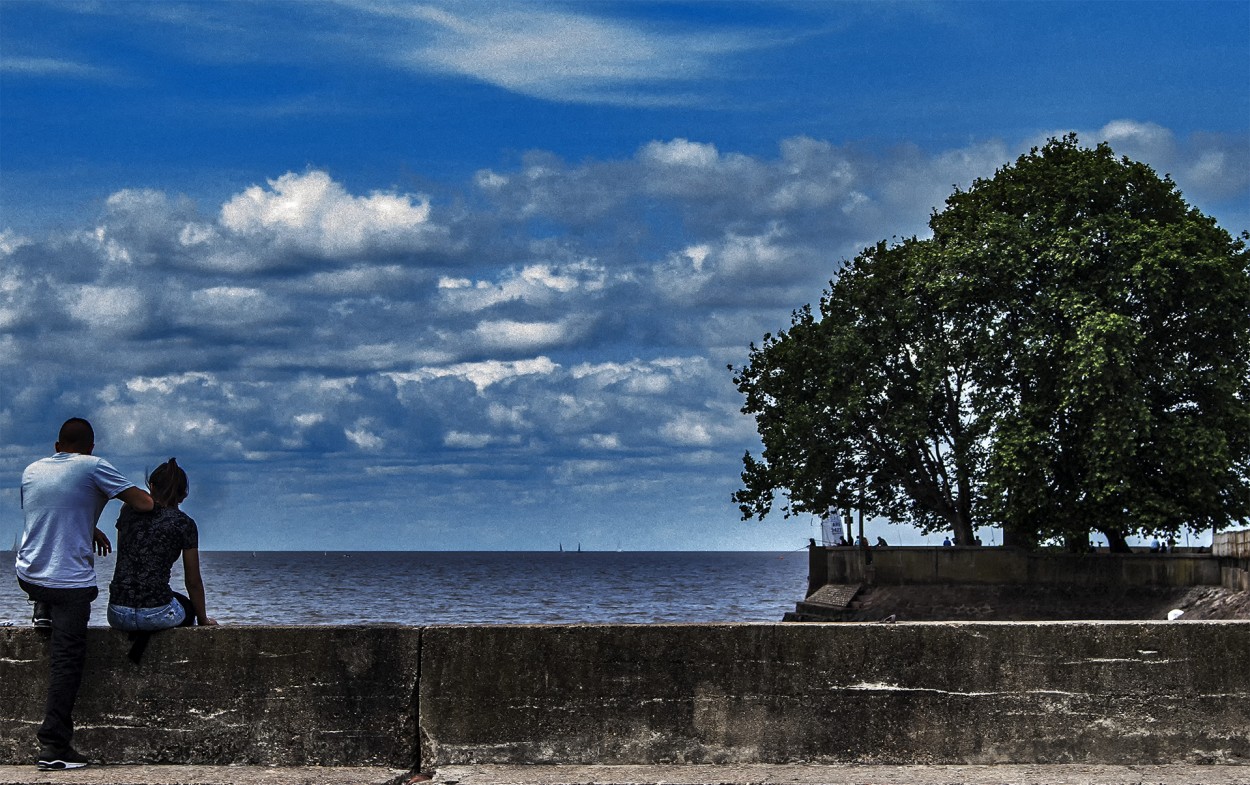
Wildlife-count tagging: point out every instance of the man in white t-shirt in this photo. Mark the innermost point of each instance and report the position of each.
(62, 498)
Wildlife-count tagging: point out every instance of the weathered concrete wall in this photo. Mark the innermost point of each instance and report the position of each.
(1005, 565)
(1235, 578)
(925, 692)
(1232, 545)
(1233, 548)
(901, 693)
(272, 695)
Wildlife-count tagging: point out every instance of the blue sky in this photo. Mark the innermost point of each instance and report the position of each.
(468, 275)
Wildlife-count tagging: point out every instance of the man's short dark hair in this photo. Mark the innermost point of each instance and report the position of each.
(76, 432)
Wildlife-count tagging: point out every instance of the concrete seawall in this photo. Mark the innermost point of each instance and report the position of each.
(901, 566)
(1233, 551)
(278, 695)
(1112, 693)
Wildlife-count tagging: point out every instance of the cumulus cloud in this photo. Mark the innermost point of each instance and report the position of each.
(107, 309)
(365, 278)
(536, 284)
(507, 335)
(10, 241)
(462, 440)
(680, 153)
(480, 374)
(313, 214)
(688, 430)
(363, 438)
(228, 307)
(164, 385)
(579, 339)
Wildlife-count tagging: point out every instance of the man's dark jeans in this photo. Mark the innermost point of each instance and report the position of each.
(71, 609)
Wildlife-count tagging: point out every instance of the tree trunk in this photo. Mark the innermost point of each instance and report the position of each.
(1013, 538)
(1116, 541)
(961, 526)
(964, 532)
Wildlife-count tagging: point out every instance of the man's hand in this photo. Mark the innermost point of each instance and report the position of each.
(102, 545)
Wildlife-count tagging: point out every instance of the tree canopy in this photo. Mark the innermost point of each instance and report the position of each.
(1068, 352)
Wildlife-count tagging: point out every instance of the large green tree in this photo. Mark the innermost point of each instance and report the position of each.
(1069, 352)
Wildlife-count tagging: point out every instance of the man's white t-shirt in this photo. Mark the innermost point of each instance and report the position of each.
(62, 498)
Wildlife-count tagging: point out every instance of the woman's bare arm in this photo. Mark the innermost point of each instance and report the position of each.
(195, 585)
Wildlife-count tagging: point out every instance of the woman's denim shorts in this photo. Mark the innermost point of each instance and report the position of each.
(128, 619)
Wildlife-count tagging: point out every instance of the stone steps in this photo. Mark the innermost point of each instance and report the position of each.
(828, 603)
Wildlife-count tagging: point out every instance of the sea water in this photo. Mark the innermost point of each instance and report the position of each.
(421, 588)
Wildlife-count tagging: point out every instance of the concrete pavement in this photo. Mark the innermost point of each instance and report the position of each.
(753, 774)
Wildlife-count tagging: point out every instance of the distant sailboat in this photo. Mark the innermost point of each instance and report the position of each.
(579, 547)
(561, 547)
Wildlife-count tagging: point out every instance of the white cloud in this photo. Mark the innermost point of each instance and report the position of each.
(108, 309)
(229, 306)
(363, 438)
(697, 254)
(314, 351)
(481, 374)
(308, 419)
(508, 416)
(203, 428)
(601, 441)
(18, 303)
(14, 66)
(10, 242)
(680, 152)
(687, 430)
(574, 471)
(515, 336)
(314, 214)
(146, 202)
(563, 56)
(598, 303)
(488, 180)
(737, 266)
(535, 284)
(632, 378)
(166, 385)
(114, 251)
(359, 279)
(1141, 135)
(197, 234)
(475, 441)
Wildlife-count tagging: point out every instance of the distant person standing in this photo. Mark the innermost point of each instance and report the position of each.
(62, 498)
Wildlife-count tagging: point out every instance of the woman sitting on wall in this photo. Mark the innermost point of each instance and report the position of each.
(148, 544)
